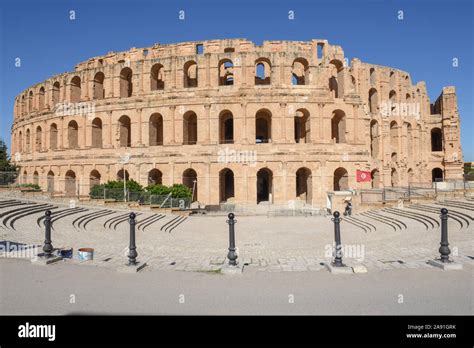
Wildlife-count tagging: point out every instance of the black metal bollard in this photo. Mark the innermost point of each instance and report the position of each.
(232, 256)
(48, 246)
(444, 248)
(132, 254)
(337, 236)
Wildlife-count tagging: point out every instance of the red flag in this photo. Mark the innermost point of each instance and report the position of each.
(363, 176)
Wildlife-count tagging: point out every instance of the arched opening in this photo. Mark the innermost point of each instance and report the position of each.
(304, 185)
(55, 94)
(302, 126)
(98, 87)
(392, 96)
(394, 157)
(337, 75)
(39, 139)
(28, 141)
(155, 177)
(226, 72)
(226, 127)
(226, 185)
(155, 128)
(338, 126)
(24, 178)
(190, 71)
(373, 101)
(394, 135)
(30, 101)
(94, 178)
(97, 133)
(264, 185)
(157, 80)
(374, 138)
(394, 178)
(20, 142)
(409, 142)
(50, 182)
(121, 175)
(262, 71)
(411, 176)
(23, 105)
(41, 99)
(75, 89)
(372, 76)
(375, 175)
(436, 175)
(35, 178)
(126, 84)
(73, 134)
(70, 183)
(300, 71)
(263, 126)
(125, 131)
(53, 136)
(190, 128)
(436, 140)
(341, 179)
(190, 180)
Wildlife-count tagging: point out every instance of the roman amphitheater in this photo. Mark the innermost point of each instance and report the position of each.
(286, 121)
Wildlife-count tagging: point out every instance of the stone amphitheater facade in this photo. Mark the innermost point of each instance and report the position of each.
(282, 122)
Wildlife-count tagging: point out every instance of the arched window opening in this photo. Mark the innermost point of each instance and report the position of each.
(28, 141)
(55, 97)
(262, 71)
(226, 128)
(264, 185)
(411, 176)
(98, 87)
(375, 174)
(53, 136)
(50, 182)
(157, 79)
(94, 178)
(373, 101)
(190, 71)
(70, 183)
(302, 126)
(341, 179)
(226, 72)
(39, 139)
(190, 128)
(75, 89)
(156, 130)
(126, 84)
(392, 96)
(41, 99)
(97, 133)
(409, 142)
(304, 185)
(125, 131)
(226, 185)
(121, 175)
(263, 126)
(190, 180)
(30, 101)
(436, 175)
(394, 178)
(300, 71)
(73, 134)
(372, 77)
(394, 135)
(436, 140)
(374, 138)
(338, 126)
(155, 177)
(35, 178)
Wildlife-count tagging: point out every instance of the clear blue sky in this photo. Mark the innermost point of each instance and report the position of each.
(424, 43)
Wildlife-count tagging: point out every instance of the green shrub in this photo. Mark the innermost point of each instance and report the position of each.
(180, 191)
(31, 186)
(160, 190)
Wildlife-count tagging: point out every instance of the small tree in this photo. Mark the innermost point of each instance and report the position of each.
(8, 171)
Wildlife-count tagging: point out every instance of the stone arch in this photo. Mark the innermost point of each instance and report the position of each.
(372, 76)
(410, 176)
(409, 139)
(394, 177)
(121, 175)
(338, 126)
(35, 178)
(375, 175)
(190, 131)
(96, 128)
(373, 101)
(73, 134)
(304, 184)
(126, 82)
(155, 177)
(41, 98)
(226, 72)
(300, 71)
(190, 180)
(157, 79)
(39, 139)
(341, 180)
(392, 96)
(263, 126)
(30, 101)
(75, 89)
(226, 185)
(264, 185)
(436, 139)
(28, 140)
(374, 138)
(94, 178)
(226, 127)
(394, 135)
(70, 183)
(190, 72)
(53, 136)
(99, 91)
(437, 174)
(155, 129)
(56, 93)
(50, 182)
(20, 142)
(23, 105)
(302, 126)
(263, 68)
(125, 131)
